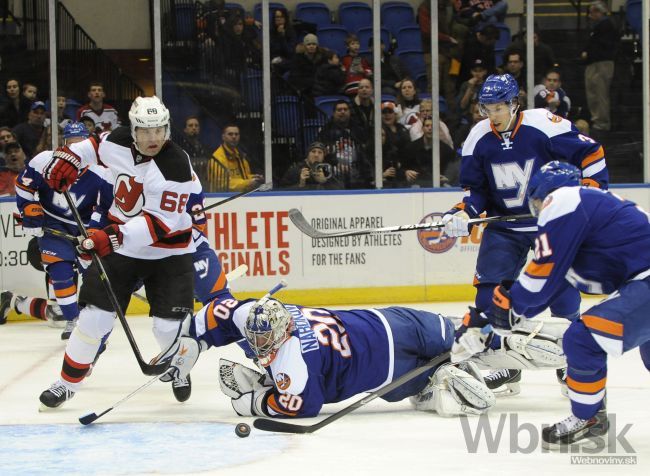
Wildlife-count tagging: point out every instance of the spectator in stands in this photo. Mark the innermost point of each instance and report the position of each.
(6, 136)
(345, 141)
(312, 173)
(466, 123)
(393, 175)
(229, 157)
(599, 54)
(356, 67)
(515, 67)
(45, 141)
(89, 122)
(282, 41)
(211, 23)
(14, 164)
(480, 45)
(419, 163)
(190, 141)
(62, 118)
(104, 115)
(305, 62)
(408, 103)
(544, 55)
(17, 106)
(470, 88)
(392, 70)
(330, 76)
(582, 126)
(396, 133)
(239, 44)
(29, 132)
(363, 106)
(551, 96)
(425, 112)
(30, 91)
(478, 13)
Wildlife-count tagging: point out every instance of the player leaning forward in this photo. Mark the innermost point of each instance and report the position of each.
(150, 238)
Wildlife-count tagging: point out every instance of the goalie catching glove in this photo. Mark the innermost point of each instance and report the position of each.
(62, 171)
(248, 389)
(102, 242)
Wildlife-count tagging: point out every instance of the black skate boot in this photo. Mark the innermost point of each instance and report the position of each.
(69, 327)
(182, 388)
(576, 431)
(504, 382)
(5, 305)
(55, 395)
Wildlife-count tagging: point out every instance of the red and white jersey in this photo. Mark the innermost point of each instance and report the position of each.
(106, 119)
(150, 193)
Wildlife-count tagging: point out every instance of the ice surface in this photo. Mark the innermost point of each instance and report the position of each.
(152, 433)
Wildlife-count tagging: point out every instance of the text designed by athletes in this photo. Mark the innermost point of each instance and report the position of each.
(349, 250)
(256, 239)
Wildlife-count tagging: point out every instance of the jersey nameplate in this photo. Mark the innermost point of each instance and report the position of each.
(308, 340)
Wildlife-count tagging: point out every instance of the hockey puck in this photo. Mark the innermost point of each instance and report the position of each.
(242, 430)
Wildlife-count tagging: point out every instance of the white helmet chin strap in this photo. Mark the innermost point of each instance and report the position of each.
(513, 114)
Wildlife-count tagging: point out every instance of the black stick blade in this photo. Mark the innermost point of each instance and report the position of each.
(88, 419)
(278, 426)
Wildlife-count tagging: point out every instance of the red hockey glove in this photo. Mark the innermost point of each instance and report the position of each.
(102, 242)
(62, 171)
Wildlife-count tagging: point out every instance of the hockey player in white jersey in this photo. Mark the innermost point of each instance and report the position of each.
(149, 238)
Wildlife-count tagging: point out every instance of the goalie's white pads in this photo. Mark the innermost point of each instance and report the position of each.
(455, 389)
(523, 350)
(182, 360)
(248, 389)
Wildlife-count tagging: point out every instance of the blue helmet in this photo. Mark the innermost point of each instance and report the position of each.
(75, 129)
(498, 88)
(549, 177)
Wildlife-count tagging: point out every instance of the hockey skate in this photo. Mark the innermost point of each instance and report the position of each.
(69, 327)
(504, 382)
(576, 431)
(182, 388)
(5, 305)
(561, 375)
(55, 396)
(54, 316)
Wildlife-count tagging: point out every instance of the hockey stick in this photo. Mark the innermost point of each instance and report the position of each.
(301, 223)
(147, 369)
(61, 234)
(280, 426)
(262, 188)
(91, 417)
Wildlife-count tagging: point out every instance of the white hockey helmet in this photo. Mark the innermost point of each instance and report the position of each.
(149, 112)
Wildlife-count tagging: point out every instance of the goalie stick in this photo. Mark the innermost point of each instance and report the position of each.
(279, 426)
(262, 188)
(301, 223)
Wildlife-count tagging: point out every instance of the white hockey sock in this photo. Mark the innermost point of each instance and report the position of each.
(166, 331)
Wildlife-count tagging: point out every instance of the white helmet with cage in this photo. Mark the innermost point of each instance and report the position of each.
(268, 326)
(148, 112)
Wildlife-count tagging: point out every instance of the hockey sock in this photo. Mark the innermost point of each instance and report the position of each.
(62, 276)
(35, 307)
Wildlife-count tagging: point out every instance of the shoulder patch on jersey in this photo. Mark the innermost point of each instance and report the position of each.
(546, 122)
(475, 134)
(289, 368)
(174, 163)
(561, 202)
(121, 136)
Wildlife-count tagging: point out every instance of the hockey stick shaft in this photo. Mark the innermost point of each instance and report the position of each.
(262, 188)
(147, 369)
(61, 234)
(91, 417)
(280, 426)
(303, 225)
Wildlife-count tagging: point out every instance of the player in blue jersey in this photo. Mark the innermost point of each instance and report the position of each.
(500, 156)
(40, 207)
(600, 243)
(314, 356)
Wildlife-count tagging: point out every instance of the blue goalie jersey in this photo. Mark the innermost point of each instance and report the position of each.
(333, 355)
(497, 166)
(595, 255)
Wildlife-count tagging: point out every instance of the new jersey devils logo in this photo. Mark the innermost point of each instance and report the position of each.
(129, 196)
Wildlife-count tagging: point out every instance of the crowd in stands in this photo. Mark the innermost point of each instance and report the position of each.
(309, 62)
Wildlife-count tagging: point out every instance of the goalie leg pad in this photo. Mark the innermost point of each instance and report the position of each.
(453, 391)
(248, 389)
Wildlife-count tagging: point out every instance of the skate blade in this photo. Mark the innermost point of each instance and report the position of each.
(587, 443)
(42, 408)
(56, 324)
(507, 390)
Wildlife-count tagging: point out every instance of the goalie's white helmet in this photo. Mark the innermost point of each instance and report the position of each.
(149, 112)
(268, 326)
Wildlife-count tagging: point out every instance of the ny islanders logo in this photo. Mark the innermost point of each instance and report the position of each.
(283, 381)
(129, 196)
(434, 240)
